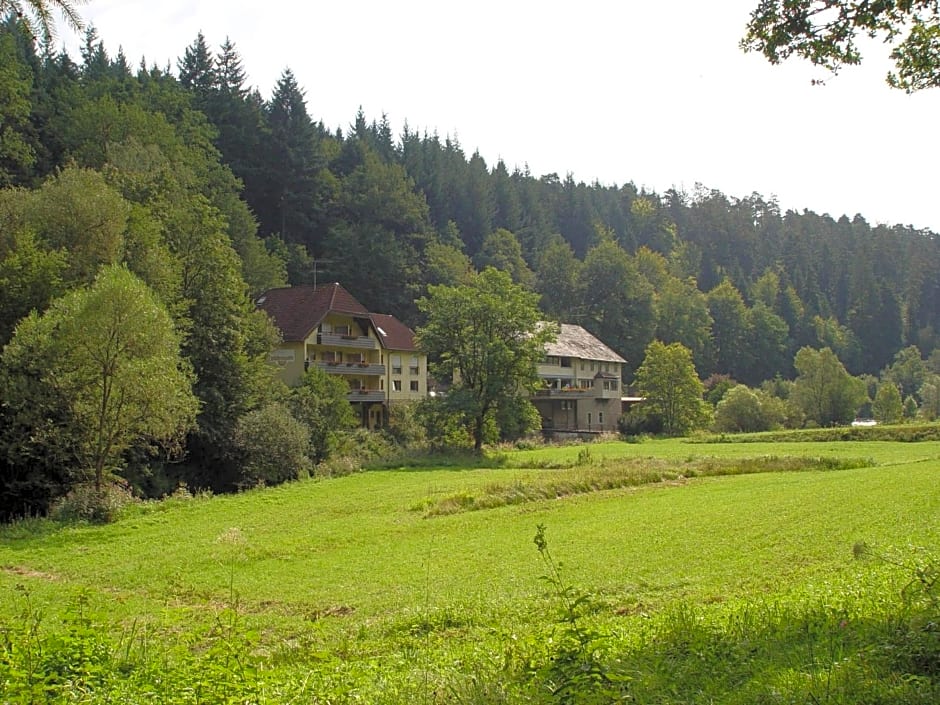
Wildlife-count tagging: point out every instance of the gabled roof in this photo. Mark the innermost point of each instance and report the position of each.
(297, 310)
(574, 341)
(394, 334)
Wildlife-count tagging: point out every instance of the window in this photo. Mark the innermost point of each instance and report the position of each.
(396, 385)
(566, 362)
(582, 365)
(396, 364)
(592, 366)
(330, 356)
(610, 385)
(567, 405)
(589, 419)
(414, 385)
(600, 417)
(341, 330)
(414, 367)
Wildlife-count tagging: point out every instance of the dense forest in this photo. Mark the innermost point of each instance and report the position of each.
(211, 193)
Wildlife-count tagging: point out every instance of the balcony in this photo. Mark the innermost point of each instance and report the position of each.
(366, 395)
(567, 393)
(363, 342)
(368, 369)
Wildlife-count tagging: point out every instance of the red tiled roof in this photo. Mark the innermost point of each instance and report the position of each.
(297, 310)
(394, 334)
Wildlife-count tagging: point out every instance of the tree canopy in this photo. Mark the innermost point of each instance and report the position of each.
(824, 390)
(486, 336)
(671, 389)
(111, 355)
(827, 33)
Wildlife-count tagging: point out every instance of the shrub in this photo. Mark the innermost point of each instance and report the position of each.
(404, 425)
(444, 423)
(636, 422)
(85, 502)
(274, 446)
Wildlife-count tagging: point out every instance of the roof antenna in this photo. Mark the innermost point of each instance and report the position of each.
(315, 263)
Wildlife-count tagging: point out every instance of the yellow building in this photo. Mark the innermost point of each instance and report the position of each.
(327, 327)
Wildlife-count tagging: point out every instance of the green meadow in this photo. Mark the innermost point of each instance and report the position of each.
(673, 572)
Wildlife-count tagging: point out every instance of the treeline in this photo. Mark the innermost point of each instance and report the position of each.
(739, 282)
(210, 193)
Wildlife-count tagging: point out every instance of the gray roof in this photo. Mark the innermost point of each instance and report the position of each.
(574, 341)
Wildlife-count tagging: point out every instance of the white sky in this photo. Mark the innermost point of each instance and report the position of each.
(657, 93)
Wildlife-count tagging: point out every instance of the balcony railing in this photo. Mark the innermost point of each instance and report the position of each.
(369, 369)
(366, 395)
(347, 341)
(567, 392)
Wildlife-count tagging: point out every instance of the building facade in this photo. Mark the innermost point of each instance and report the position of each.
(581, 384)
(327, 327)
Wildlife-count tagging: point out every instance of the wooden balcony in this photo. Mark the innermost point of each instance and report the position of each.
(368, 369)
(362, 342)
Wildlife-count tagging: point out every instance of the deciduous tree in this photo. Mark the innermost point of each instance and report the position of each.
(486, 337)
(826, 32)
(322, 405)
(671, 388)
(824, 390)
(110, 353)
(887, 406)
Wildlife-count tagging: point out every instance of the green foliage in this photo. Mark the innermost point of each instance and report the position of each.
(501, 250)
(682, 317)
(16, 153)
(111, 356)
(404, 425)
(487, 337)
(907, 371)
(446, 423)
(823, 389)
(557, 272)
(86, 502)
(30, 277)
(747, 411)
(906, 433)
(274, 446)
(574, 671)
(886, 407)
(671, 389)
(320, 402)
(929, 394)
(617, 301)
(827, 35)
(729, 328)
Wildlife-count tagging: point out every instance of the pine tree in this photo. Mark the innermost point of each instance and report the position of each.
(291, 202)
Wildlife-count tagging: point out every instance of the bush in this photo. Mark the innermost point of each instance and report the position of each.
(404, 425)
(639, 423)
(85, 502)
(445, 425)
(274, 446)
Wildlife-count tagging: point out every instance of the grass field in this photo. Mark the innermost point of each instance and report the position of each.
(350, 590)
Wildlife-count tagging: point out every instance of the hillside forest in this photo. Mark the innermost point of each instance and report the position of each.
(211, 192)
